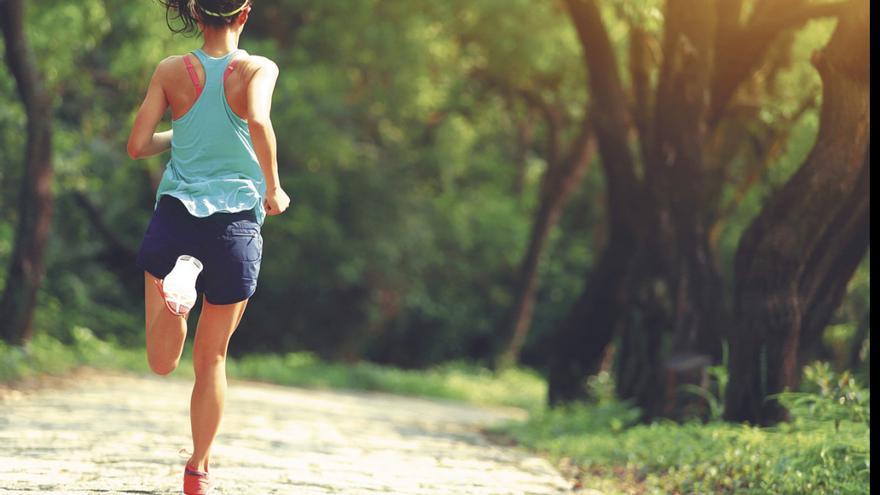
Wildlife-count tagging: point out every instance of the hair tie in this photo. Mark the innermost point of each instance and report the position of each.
(227, 14)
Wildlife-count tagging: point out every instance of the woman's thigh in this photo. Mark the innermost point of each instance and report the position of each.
(153, 303)
(165, 333)
(217, 323)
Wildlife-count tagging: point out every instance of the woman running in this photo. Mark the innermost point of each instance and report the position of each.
(220, 184)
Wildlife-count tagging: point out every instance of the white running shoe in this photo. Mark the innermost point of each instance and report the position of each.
(179, 286)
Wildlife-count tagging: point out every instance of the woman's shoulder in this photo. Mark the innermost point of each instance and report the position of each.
(169, 64)
(256, 62)
(248, 66)
(172, 60)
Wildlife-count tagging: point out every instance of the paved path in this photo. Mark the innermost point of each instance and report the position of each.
(121, 434)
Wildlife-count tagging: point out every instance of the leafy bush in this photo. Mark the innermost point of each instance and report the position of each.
(42, 354)
(829, 396)
(46, 354)
(824, 449)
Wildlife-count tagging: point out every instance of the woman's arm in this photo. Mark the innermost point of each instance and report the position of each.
(144, 141)
(259, 96)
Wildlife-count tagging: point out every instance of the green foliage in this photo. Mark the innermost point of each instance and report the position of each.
(42, 353)
(664, 457)
(45, 354)
(829, 397)
(719, 377)
(824, 449)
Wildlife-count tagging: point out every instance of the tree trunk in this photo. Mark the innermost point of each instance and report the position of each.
(837, 256)
(680, 181)
(558, 188)
(644, 318)
(26, 269)
(806, 222)
(580, 340)
(826, 277)
(675, 284)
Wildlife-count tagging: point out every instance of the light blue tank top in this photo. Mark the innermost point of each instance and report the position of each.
(213, 167)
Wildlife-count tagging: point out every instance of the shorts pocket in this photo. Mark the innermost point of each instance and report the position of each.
(243, 243)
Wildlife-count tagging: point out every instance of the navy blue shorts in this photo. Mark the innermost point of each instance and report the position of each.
(229, 245)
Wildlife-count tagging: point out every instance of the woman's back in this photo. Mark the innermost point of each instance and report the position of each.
(213, 166)
(182, 94)
(223, 146)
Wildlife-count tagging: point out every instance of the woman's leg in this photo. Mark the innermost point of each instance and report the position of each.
(215, 327)
(165, 331)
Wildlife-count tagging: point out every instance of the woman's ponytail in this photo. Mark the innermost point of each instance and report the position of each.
(214, 13)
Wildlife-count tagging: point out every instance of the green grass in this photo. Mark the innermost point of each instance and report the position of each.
(615, 454)
(46, 355)
(454, 380)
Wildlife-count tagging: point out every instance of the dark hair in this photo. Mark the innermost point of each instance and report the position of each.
(215, 13)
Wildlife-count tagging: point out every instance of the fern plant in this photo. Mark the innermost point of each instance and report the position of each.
(719, 375)
(828, 396)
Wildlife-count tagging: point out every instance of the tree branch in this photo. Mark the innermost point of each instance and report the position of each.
(739, 50)
(610, 116)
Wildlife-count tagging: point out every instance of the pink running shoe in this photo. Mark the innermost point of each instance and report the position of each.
(196, 482)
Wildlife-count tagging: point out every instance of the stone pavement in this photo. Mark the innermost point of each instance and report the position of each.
(111, 433)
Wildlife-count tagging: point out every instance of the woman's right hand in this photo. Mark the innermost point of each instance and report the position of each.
(276, 201)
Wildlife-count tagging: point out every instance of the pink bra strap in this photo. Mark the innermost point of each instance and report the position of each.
(192, 75)
(229, 70)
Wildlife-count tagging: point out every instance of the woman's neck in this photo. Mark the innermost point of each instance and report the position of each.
(219, 42)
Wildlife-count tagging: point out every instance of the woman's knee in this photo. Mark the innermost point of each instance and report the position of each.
(162, 366)
(207, 361)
